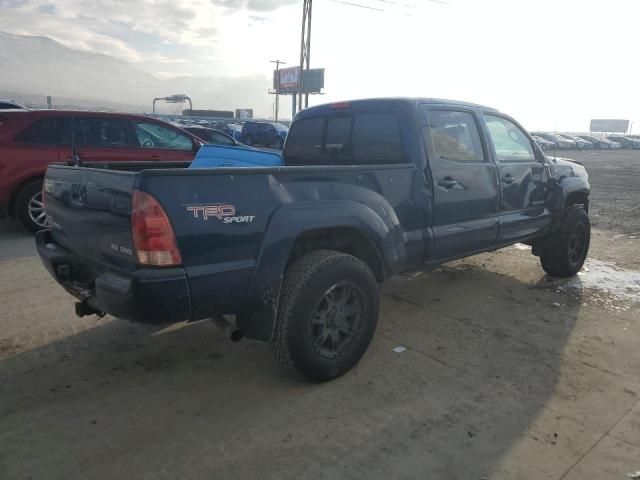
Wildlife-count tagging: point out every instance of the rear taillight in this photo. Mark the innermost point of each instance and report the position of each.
(152, 233)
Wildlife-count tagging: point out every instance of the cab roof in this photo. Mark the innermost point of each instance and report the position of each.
(405, 101)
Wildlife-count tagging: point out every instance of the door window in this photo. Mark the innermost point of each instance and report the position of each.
(106, 132)
(510, 142)
(153, 135)
(455, 136)
(47, 131)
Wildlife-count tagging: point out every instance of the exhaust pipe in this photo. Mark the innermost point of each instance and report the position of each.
(228, 328)
(83, 309)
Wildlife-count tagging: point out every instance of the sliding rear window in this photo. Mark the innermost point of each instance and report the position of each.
(346, 139)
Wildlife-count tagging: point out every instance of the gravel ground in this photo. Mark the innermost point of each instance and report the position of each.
(506, 374)
(615, 182)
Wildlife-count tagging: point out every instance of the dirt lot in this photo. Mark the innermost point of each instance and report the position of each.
(507, 374)
(615, 179)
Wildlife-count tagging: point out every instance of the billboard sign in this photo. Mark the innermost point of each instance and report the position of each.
(609, 125)
(289, 78)
(314, 80)
(289, 81)
(244, 113)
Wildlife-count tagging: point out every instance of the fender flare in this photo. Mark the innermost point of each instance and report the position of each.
(560, 191)
(286, 225)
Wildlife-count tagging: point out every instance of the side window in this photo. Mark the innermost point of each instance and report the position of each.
(106, 132)
(455, 136)
(510, 142)
(153, 135)
(376, 139)
(304, 143)
(48, 131)
(338, 141)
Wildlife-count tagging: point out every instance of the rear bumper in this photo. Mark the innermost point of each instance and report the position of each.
(144, 295)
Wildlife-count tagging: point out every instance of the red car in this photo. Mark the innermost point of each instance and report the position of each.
(31, 139)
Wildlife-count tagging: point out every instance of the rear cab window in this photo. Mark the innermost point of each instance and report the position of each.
(305, 143)
(359, 138)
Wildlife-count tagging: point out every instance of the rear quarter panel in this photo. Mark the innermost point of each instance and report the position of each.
(235, 261)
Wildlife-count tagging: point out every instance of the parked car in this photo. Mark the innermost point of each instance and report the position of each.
(295, 254)
(544, 144)
(561, 143)
(31, 139)
(581, 143)
(625, 142)
(232, 129)
(11, 105)
(269, 134)
(212, 136)
(598, 143)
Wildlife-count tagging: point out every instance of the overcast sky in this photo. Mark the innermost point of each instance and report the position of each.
(552, 64)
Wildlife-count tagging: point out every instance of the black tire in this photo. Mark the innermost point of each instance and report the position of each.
(25, 208)
(310, 310)
(278, 143)
(566, 250)
(248, 140)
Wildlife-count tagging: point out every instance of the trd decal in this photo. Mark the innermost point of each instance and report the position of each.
(226, 213)
(218, 211)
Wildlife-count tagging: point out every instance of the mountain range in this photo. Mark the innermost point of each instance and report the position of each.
(33, 67)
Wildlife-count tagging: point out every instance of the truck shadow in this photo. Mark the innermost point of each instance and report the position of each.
(484, 352)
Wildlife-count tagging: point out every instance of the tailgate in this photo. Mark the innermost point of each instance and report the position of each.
(90, 213)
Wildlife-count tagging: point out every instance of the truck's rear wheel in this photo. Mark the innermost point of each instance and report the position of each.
(327, 315)
(566, 251)
(29, 208)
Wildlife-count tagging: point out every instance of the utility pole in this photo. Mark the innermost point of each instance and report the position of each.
(278, 63)
(305, 50)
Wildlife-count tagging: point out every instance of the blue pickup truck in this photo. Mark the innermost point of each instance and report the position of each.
(294, 254)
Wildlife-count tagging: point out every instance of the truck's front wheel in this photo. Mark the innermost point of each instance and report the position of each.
(567, 249)
(327, 315)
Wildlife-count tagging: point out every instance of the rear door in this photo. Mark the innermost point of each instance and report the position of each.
(103, 139)
(523, 179)
(162, 142)
(465, 182)
(42, 141)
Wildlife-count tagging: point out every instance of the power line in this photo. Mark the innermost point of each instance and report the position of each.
(358, 5)
(410, 5)
(388, 2)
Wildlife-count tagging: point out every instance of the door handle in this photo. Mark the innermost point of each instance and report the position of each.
(508, 179)
(447, 182)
